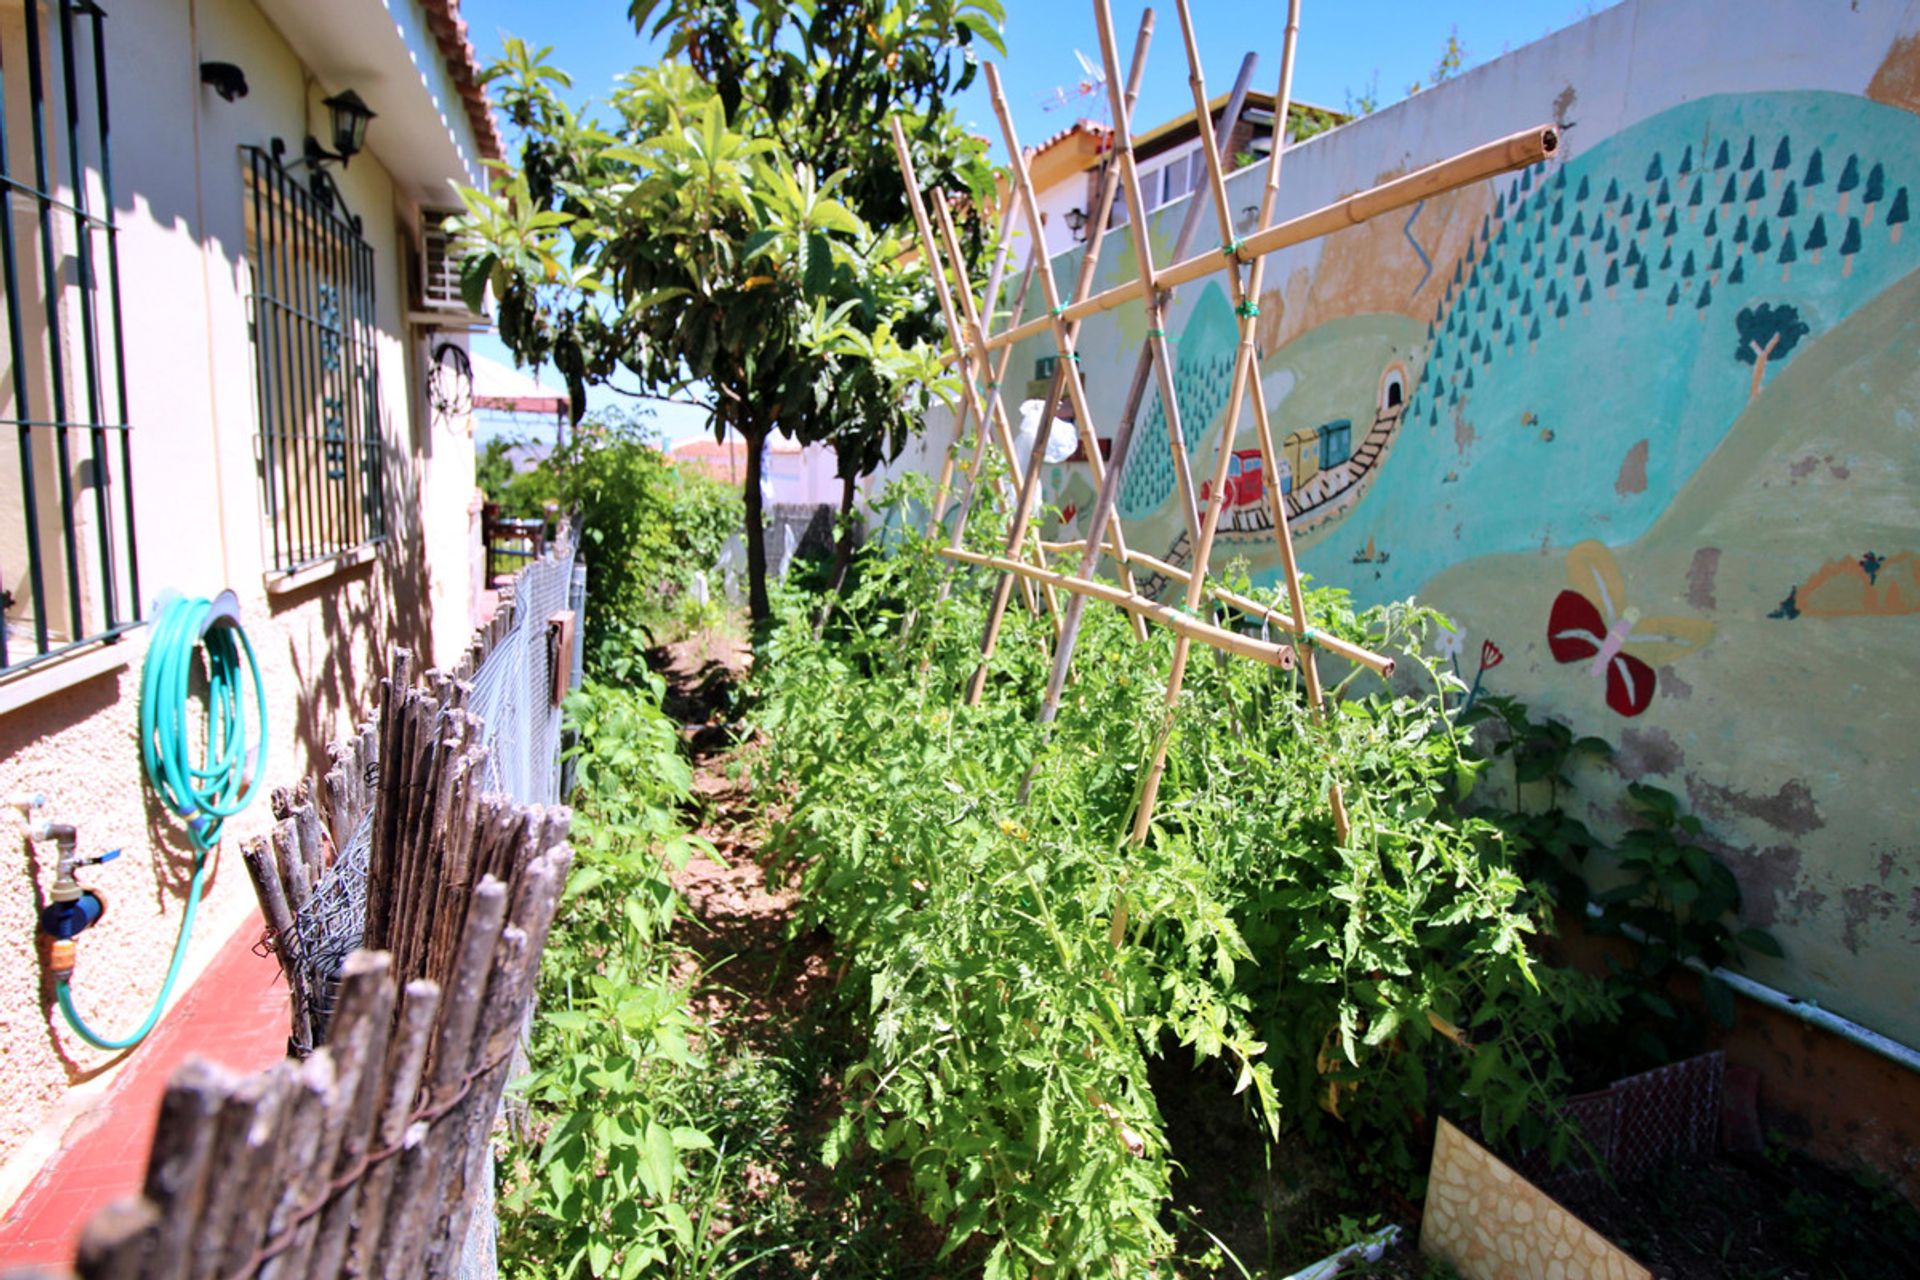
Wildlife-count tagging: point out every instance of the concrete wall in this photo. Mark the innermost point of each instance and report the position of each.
(1477, 410)
(186, 291)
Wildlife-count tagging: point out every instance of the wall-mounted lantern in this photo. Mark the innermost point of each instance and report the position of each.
(348, 116)
(1076, 220)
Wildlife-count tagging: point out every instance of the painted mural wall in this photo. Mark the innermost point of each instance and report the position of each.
(1644, 419)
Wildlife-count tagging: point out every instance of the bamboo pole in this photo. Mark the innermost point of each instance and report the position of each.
(1245, 366)
(1002, 255)
(1108, 497)
(1030, 479)
(1063, 338)
(970, 316)
(1263, 427)
(1180, 623)
(1380, 664)
(970, 401)
(1490, 159)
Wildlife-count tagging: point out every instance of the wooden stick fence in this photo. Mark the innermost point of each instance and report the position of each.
(1244, 261)
(365, 1158)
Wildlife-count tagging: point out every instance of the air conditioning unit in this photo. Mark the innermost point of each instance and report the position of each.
(439, 268)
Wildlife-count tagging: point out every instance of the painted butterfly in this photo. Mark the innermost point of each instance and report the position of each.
(1591, 622)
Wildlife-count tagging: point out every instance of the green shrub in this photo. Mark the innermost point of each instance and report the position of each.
(646, 523)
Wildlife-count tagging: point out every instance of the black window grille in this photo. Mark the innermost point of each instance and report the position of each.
(67, 570)
(316, 367)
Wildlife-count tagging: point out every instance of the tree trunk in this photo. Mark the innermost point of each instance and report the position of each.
(759, 608)
(1760, 355)
(842, 554)
(843, 547)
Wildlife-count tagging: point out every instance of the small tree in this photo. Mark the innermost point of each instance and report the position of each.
(1816, 170)
(1788, 255)
(1875, 191)
(1789, 201)
(1704, 301)
(1766, 332)
(1739, 273)
(1695, 199)
(1673, 300)
(1849, 179)
(1746, 160)
(1782, 155)
(1613, 279)
(1897, 215)
(1756, 191)
(739, 228)
(1718, 262)
(1762, 238)
(1816, 238)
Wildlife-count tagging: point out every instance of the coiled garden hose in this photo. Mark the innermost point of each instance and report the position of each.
(205, 794)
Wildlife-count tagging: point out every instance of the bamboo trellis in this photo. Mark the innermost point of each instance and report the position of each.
(1243, 259)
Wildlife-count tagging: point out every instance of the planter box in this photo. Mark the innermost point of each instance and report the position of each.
(1490, 1223)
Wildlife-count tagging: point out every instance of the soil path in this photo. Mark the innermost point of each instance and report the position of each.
(767, 996)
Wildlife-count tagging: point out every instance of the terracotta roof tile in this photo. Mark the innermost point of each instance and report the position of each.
(463, 64)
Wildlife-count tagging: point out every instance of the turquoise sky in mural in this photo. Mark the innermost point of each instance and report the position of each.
(1564, 422)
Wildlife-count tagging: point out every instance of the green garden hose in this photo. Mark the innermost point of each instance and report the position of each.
(205, 794)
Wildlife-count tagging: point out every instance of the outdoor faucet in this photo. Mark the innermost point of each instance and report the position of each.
(71, 908)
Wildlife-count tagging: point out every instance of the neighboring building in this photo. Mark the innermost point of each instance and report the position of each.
(1067, 167)
(794, 474)
(228, 366)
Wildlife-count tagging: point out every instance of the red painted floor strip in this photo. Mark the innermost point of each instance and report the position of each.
(236, 1014)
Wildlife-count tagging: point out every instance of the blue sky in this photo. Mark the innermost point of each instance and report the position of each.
(1345, 50)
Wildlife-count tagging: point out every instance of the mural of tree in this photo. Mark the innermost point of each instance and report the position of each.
(1719, 262)
(1762, 239)
(1816, 237)
(1789, 202)
(1739, 273)
(1730, 192)
(1613, 279)
(1897, 215)
(1640, 277)
(1756, 192)
(1782, 155)
(1767, 332)
(1666, 259)
(1704, 301)
(1696, 199)
(1686, 161)
(1713, 223)
(1746, 161)
(1849, 245)
(1849, 179)
(1816, 170)
(1788, 256)
(1586, 297)
(1673, 300)
(1613, 191)
(1720, 158)
(1672, 228)
(1875, 191)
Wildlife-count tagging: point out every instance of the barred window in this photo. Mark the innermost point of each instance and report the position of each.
(316, 371)
(67, 572)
